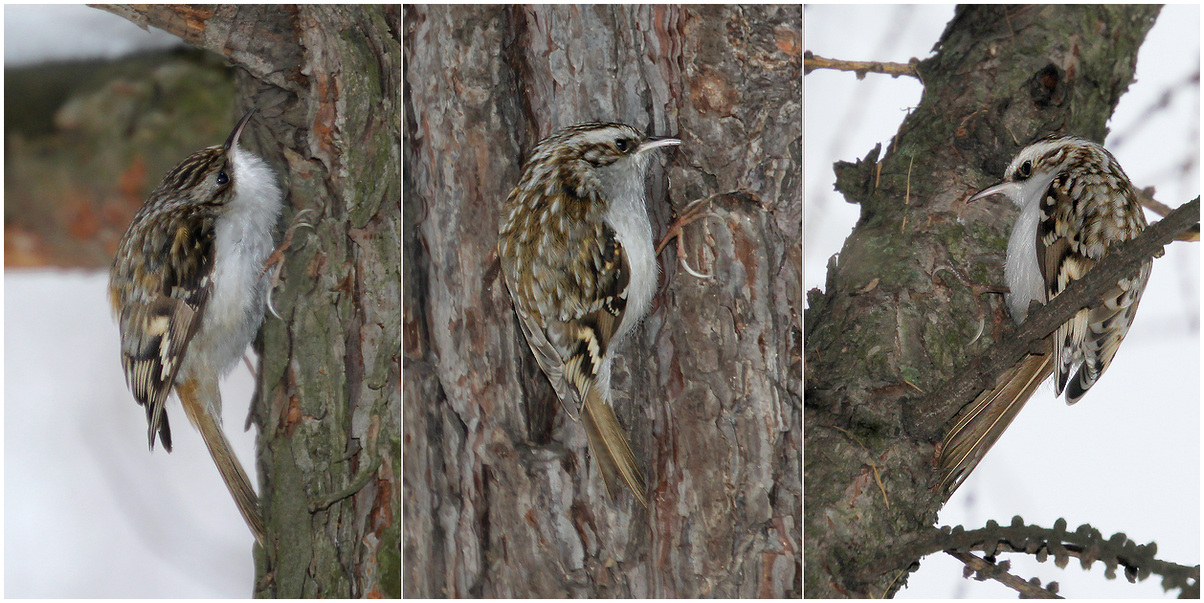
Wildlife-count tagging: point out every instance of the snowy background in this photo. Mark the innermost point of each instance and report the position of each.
(89, 512)
(1144, 414)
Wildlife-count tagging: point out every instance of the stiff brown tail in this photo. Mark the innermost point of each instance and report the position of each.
(608, 443)
(193, 398)
(988, 416)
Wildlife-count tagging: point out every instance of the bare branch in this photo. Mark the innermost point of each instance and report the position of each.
(999, 574)
(1146, 198)
(812, 62)
(1122, 262)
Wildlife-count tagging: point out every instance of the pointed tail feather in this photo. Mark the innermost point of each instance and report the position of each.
(988, 416)
(233, 475)
(608, 443)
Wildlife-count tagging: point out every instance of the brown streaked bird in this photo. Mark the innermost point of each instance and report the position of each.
(1075, 203)
(576, 251)
(188, 288)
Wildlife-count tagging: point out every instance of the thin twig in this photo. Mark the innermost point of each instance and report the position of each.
(1146, 198)
(1012, 581)
(812, 62)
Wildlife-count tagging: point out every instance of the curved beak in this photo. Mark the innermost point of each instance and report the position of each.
(656, 143)
(242, 123)
(1010, 189)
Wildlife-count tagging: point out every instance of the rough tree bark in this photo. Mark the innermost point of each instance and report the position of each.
(889, 330)
(328, 403)
(501, 499)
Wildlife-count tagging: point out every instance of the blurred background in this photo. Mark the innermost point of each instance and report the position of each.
(1145, 411)
(96, 110)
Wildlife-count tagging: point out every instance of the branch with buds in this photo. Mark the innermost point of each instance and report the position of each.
(811, 62)
(1086, 543)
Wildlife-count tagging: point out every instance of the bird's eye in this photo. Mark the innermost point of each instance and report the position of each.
(622, 144)
(222, 178)
(1025, 170)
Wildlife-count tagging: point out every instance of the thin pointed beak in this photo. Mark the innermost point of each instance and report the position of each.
(656, 143)
(242, 123)
(1010, 189)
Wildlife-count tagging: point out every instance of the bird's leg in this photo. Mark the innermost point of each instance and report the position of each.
(275, 262)
(697, 209)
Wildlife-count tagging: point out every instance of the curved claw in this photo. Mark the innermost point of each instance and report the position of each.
(692, 212)
(270, 307)
(275, 261)
(681, 255)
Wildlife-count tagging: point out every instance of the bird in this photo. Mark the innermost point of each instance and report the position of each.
(575, 245)
(187, 286)
(1076, 203)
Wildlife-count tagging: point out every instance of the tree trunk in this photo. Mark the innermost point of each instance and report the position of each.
(329, 398)
(501, 499)
(893, 324)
